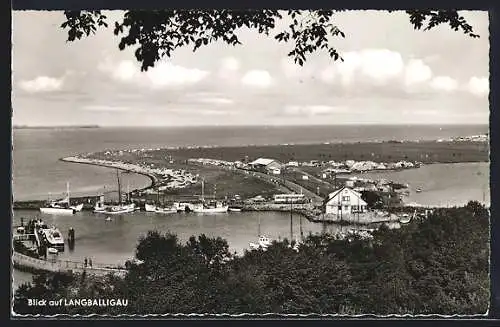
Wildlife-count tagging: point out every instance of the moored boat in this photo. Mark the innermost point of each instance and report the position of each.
(119, 209)
(217, 207)
(150, 207)
(209, 206)
(166, 210)
(113, 209)
(262, 243)
(50, 235)
(62, 206)
(57, 209)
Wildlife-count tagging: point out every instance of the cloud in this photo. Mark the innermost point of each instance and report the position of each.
(216, 100)
(257, 78)
(479, 86)
(230, 64)
(444, 83)
(42, 84)
(163, 75)
(229, 70)
(363, 70)
(417, 72)
(168, 74)
(369, 65)
(105, 108)
(328, 75)
(202, 112)
(312, 110)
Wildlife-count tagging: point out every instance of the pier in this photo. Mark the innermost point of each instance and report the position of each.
(65, 266)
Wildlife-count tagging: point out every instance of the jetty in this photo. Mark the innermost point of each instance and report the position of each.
(25, 262)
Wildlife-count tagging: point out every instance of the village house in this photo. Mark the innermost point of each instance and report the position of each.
(344, 201)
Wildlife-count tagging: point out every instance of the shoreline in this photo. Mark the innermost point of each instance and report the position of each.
(152, 177)
(36, 204)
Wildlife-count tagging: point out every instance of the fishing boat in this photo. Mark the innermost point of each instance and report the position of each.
(209, 207)
(418, 190)
(118, 209)
(262, 243)
(62, 206)
(166, 210)
(158, 209)
(51, 236)
(150, 207)
(234, 209)
(100, 207)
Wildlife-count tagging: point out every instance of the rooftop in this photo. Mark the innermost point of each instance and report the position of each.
(262, 161)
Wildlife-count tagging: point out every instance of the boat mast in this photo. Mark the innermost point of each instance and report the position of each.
(203, 190)
(119, 187)
(259, 228)
(67, 192)
(128, 191)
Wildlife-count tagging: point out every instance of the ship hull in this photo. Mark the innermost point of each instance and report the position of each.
(57, 211)
(77, 208)
(165, 210)
(58, 246)
(212, 210)
(150, 207)
(116, 210)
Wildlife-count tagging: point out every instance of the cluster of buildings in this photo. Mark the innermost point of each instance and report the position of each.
(472, 138)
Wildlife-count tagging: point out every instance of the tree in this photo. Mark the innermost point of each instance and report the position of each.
(160, 33)
(435, 266)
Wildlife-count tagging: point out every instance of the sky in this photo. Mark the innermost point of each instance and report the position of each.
(391, 74)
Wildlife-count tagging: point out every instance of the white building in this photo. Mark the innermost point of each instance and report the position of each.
(269, 165)
(344, 201)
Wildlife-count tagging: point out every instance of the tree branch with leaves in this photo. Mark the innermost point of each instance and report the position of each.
(157, 34)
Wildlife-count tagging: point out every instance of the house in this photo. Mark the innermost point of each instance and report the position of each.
(293, 164)
(267, 165)
(344, 201)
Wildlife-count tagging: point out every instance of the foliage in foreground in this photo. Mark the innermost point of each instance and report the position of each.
(159, 33)
(438, 265)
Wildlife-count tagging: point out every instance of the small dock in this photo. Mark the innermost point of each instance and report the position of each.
(65, 266)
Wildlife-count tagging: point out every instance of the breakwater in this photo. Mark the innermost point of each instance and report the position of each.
(116, 165)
